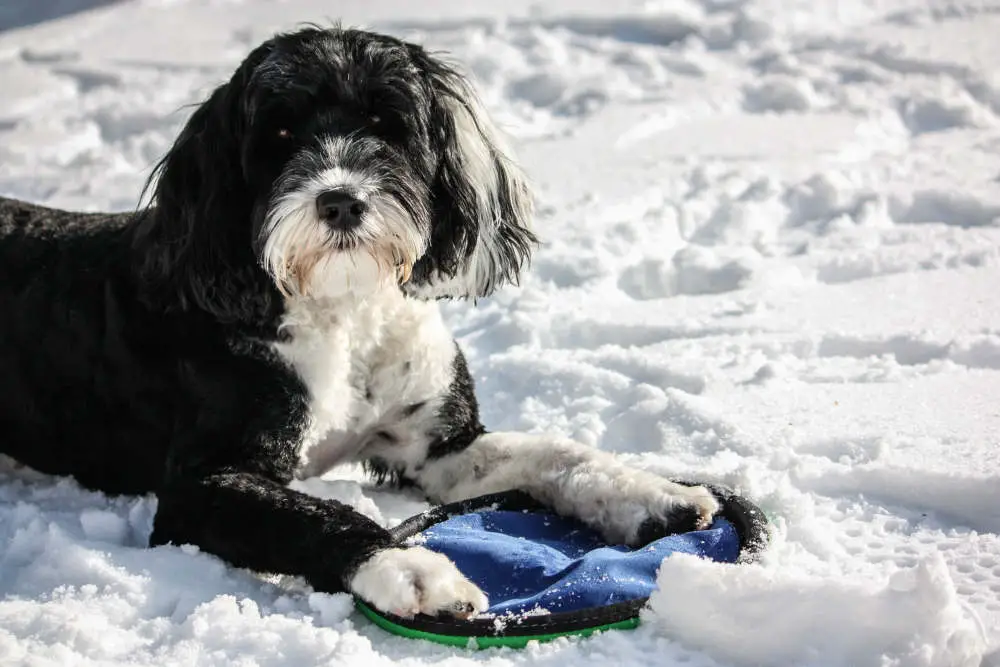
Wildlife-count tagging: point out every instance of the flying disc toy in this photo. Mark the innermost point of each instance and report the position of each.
(549, 576)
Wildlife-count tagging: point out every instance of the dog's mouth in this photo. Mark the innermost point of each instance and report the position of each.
(339, 243)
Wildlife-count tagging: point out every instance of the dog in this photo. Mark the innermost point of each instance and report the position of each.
(270, 311)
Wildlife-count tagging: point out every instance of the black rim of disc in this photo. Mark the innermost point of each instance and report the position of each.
(748, 520)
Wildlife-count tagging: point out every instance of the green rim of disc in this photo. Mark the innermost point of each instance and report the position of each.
(519, 641)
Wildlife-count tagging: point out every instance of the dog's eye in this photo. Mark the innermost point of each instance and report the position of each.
(375, 119)
(284, 133)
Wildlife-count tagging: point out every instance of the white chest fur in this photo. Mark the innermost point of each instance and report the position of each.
(376, 367)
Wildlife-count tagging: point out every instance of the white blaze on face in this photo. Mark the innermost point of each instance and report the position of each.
(307, 257)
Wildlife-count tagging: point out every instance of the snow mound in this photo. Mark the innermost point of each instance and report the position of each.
(765, 618)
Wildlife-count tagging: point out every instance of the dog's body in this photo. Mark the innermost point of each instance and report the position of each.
(267, 317)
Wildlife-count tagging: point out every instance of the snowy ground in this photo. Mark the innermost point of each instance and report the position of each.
(772, 260)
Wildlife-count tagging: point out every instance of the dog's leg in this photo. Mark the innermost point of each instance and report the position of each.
(256, 523)
(576, 480)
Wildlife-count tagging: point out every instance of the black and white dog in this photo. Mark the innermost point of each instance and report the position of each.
(272, 314)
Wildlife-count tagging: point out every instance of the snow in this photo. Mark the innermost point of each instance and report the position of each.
(771, 258)
(916, 615)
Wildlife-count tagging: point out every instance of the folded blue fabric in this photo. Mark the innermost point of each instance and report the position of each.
(531, 561)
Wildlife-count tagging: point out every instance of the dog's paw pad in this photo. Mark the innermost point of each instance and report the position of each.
(412, 581)
(700, 506)
(676, 509)
(683, 519)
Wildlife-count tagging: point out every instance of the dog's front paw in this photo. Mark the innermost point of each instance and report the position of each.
(673, 508)
(415, 580)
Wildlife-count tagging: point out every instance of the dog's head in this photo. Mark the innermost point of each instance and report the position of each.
(333, 161)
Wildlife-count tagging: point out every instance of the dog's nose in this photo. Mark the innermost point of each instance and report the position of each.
(340, 209)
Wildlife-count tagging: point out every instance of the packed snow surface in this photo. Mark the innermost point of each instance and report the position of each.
(771, 260)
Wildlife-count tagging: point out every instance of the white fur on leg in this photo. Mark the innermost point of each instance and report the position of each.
(573, 479)
(411, 581)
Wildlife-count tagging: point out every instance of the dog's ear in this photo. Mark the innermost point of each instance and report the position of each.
(193, 245)
(481, 234)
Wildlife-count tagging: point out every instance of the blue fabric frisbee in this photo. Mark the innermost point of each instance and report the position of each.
(547, 575)
(530, 561)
